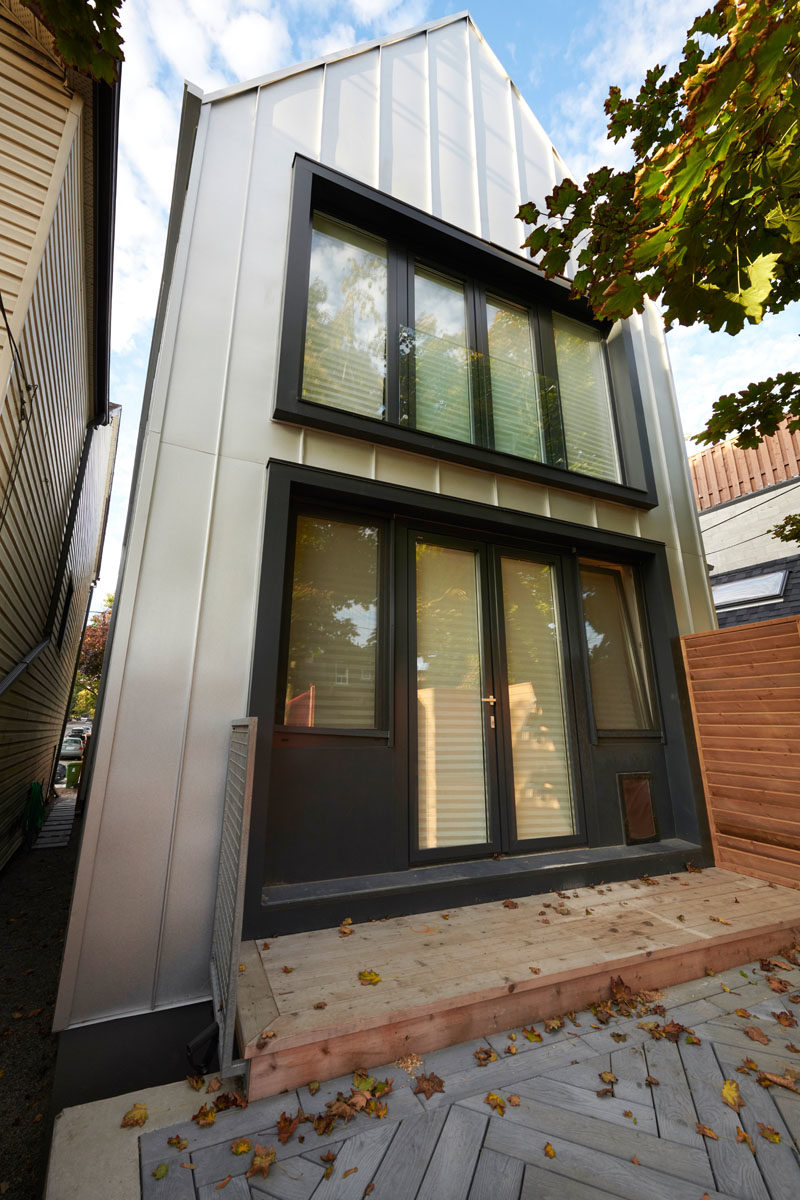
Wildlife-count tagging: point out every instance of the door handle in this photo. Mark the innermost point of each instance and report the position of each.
(488, 699)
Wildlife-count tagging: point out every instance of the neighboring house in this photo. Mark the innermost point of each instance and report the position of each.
(57, 430)
(401, 499)
(741, 495)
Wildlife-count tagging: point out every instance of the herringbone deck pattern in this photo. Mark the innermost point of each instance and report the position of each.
(642, 1141)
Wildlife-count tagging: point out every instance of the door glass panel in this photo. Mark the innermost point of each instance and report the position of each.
(542, 781)
(345, 352)
(615, 643)
(585, 400)
(451, 752)
(515, 387)
(334, 626)
(443, 390)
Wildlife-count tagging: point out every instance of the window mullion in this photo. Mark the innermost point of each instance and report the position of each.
(395, 317)
(555, 446)
(481, 388)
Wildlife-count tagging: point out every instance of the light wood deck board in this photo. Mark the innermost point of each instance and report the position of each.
(444, 981)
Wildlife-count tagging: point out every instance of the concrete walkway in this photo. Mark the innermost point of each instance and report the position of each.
(564, 1131)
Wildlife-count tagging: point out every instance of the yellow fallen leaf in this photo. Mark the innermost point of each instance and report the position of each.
(241, 1146)
(369, 978)
(161, 1171)
(769, 1133)
(731, 1096)
(704, 1131)
(137, 1115)
(741, 1136)
(549, 1151)
(496, 1103)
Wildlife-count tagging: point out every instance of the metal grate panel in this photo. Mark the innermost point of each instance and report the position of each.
(226, 935)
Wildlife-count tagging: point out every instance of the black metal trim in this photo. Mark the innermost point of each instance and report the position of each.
(106, 136)
(315, 187)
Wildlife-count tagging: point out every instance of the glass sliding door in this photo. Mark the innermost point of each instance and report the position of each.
(542, 785)
(451, 717)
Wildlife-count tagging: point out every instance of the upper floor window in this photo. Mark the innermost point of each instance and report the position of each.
(406, 331)
(469, 364)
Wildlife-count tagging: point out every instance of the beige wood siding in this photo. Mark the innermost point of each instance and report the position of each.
(34, 111)
(39, 459)
(723, 472)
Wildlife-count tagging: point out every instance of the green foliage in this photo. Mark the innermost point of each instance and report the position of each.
(90, 663)
(787, 530)
(708, 216)
(87, 34)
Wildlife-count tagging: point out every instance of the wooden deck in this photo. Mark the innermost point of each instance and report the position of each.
(468, 972)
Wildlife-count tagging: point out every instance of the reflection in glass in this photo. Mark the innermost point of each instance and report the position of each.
(330, 680)
(514, 384)
(615, 641)
(542, 785)
(345, 351)
(443, 391)
(450, 717)
(585, 400)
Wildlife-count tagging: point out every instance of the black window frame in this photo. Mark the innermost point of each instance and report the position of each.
(416, 236)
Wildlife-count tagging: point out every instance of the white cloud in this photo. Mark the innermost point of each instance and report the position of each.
(255, 44)
(338, 37)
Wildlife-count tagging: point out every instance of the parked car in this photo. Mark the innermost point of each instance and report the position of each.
(71, 747)
(80, 734)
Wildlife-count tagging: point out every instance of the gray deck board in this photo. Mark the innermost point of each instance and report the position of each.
(454, 1147)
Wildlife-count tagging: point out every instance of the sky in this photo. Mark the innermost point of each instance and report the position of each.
(563, 58)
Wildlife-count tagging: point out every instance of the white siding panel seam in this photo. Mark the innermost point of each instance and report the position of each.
(206, 552)
(478, 156)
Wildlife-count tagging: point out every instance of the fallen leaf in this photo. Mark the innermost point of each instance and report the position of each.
(195, 1082)
(608, 1077)
(287, 970)
(382, 1087)
(731, 1096)
(265, 945)
(242, 968)
(510, 904)
(770, 1134)
(719, 920)
(742, 1012)
(213, 1085)
(510, 1049)
(710, 973)
(747, 1066)
(445, 916)
(693, 869)
(691, 1040)
(757, 1035)
(241, 1146)
(725, 987)
(369, 978)
(205, 1116)
(180, 1143)
(785, 1019)
(535, 970)
(485, 1055)
(606, 1091)
(223, 1183)
(627, 1113)
(777, 985)
(345, 931)
(562, 910)
(795, 997)
(636, 1161)
(680, 917)
(741, 1136)
(706, 1132)
(553, 1024)
(368, 1190)
(619, 1037)
(549, 1151)
(161, 1171)
(363, 1082)
(530, 1033)
(286, 1126)
(352, 1171)
(650, 1081)
(314, 1087)
(321, 1004)
(189, 1166)
(328, 1157)
(496, 1103)
(514, 1100)
(262, 1161)
(428, 1084)
(766, 1079)
(137, 1115)
(794, 1049)
(326, 1174)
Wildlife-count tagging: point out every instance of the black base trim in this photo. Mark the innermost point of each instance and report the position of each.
(298, 907)
(109, 1058)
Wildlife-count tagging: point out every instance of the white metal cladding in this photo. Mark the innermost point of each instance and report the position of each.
(49, 444)
(229, 905)
(433, 118)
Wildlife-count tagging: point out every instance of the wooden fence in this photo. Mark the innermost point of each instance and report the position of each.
(744, 683)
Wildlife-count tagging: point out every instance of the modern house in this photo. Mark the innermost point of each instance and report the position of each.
(405, 502)
(58, 431)
(741, 495)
